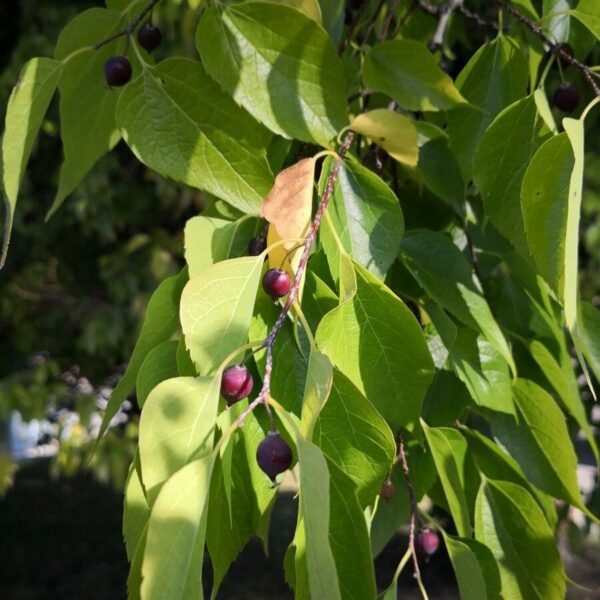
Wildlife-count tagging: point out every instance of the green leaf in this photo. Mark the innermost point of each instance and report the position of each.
(134, 580)
(354, 435)
(333, 18)
(179, 123)
(446, 399)
(313, 556)
(483, 370)
(495, 463)
(500, 162)
(172, 564)
(387, 360)
(198, 242)
(448, 448)
(409, 73)
(588, 13)
(292, 80)
(159, 364)
(87, 107)
(495, 77)
(575, 132)
(539, 441)
(588, 337)
(160, 323)
(512, 526)
(563, 381)
(314, 503)
(545, 197)
(135, 511)
(185, 366)
(216, 309)
(176, 424)
(366, 216)
(551, 202)
(208, 240)
(25, 112)
(318, 298)
(557, 26)
(475, 568)
(319, 379)
(350, 544)
(440, 267)
(228, 531)
(437, 168)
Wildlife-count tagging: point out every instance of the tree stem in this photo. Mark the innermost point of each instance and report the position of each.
(130, 28)
(413, 507)
(556, 49)
(263, 396)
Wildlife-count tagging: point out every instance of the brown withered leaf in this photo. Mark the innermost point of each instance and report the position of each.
(288, 208)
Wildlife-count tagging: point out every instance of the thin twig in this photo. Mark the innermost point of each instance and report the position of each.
(438, 37)
(412, 502)
(372, 21)
(556, 49)
(263, 396)
(413, 5)
(477, 18)
(130, 28)
(388, 20)
(352, 28)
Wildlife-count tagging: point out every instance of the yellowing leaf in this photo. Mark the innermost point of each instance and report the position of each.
(288, 208)
(393, 132)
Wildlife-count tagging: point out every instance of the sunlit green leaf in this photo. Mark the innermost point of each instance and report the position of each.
(24, 115)
(387, 360)
(290, 79)
(512, 526)
(216, 308)
(176, 424)
(409, 73)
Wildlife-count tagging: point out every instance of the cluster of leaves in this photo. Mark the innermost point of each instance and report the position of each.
(432, 310)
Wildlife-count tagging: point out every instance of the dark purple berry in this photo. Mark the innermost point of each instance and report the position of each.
(566, 48)
(236, 383)
(428, 542)
(566, 97)
(273, 455)
(117, 71)
(388, 490)
(257, 245)
(277, 283)
(149, 37)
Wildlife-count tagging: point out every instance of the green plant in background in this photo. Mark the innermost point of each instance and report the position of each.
(417, 199)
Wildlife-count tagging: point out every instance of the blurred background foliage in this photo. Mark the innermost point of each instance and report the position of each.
(74, 288)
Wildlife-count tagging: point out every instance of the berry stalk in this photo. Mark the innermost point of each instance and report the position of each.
(263, 396)
(413, 505)
(130, 28)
